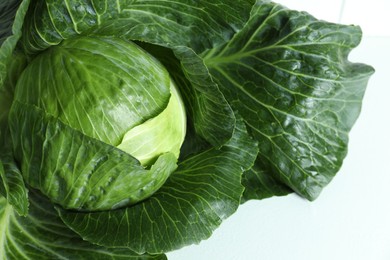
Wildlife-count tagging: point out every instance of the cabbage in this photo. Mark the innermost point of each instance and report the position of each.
(133, 128)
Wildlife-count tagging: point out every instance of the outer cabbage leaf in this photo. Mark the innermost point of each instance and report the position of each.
(7, 15)
(199, 91)
(11, 181)
(42, 235)
(192, 203)
(288, 76)
(77, 171)
(197, 25)
(12, 14)
(208, 102)
(259, 184)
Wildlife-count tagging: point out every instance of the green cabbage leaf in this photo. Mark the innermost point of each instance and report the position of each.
(42, 234)
(132, 128)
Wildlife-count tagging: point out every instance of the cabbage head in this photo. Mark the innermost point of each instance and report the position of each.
(132, 128)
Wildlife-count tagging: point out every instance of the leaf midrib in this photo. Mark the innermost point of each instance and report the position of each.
(4, 223)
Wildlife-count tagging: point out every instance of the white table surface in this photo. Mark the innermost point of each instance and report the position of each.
(351, 218)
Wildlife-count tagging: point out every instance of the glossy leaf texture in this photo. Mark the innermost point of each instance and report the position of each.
(12, 184)
(101, 86)
(42, 235)
(192, 203)
(288, 76)
(259, 184)
(77, 171)
(197, 25)
(12, 13)
(270, 94)
(206, 105)
(7, 15)
(193, 142)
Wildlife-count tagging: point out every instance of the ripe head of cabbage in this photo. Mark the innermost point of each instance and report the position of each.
(103, 98)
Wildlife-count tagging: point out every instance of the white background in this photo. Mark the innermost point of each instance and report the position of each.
(351, 218)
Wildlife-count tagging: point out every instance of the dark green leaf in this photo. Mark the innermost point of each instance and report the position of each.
(3, 191)
(188, 27)
(11, 22)
(77, 171)
(42, 235)
(12, 184)
(204, 190)
(212, 116)
(195, 24)
(209, 112)
(8, 10)
(260, 185)
(288, 76)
